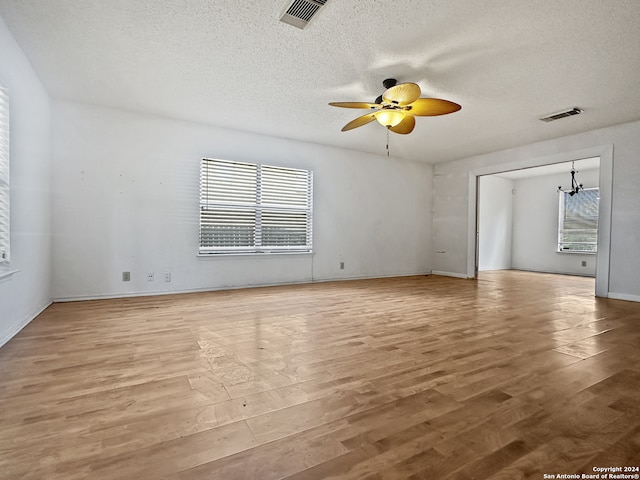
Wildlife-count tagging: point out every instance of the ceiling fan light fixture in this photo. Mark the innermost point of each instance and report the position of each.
(389, 117)
(397, 108)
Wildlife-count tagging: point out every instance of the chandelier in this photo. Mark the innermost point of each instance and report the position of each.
(575, 186)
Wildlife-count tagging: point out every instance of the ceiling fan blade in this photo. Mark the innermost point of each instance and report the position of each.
(427, 107)
(405, 126)
(360, 121)
(355, 105)
(402, 94)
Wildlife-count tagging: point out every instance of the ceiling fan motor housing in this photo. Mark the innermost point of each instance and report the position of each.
(389, 82)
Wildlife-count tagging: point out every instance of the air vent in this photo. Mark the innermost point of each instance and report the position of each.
(563, 114)
(300, 12)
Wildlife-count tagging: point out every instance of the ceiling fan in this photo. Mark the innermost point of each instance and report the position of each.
(397, 107)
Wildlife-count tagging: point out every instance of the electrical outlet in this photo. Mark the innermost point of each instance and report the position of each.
(150, 277)
(167, 277)
(341, 265)
(126, 276)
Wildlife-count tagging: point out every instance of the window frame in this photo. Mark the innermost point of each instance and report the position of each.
(238, 202)
(5, 190)
(561, 218)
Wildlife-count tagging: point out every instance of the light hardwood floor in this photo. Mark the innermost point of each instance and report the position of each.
(510, 376)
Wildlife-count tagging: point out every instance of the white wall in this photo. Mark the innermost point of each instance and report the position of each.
(451, 214)
(26, 292)
(495, 220)
(125, 198)
(535, 225)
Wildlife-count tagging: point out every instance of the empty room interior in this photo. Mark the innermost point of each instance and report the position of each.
(312, 239)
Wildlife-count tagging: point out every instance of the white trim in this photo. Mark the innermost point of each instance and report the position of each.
(15, 329)
(624, 296)
(576, 252)
(371, 277)
(82, 298)
(251, 254)
(5, 179)
(572, 274)
(472, 225)
(450, 274)
(604, 221)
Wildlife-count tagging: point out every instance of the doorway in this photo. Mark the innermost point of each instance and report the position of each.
(605, 183)
(519, 213)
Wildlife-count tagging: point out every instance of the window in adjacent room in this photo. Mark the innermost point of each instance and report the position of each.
(578, 221)
(249, 208)
(4, 177)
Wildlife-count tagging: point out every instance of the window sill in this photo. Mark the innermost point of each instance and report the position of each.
(576, 253)
(4, 274)
(250, 254)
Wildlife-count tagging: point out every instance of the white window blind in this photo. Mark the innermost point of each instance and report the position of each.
(249, 208)
(578, 221)
(4, 177)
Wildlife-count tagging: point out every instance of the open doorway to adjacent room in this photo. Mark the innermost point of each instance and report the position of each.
(532, 219)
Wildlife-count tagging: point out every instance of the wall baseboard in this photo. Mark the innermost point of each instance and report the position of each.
(493, 269)
(573, 274)
(15, 329)
(82, 298)
(624, 296)
(449, 274)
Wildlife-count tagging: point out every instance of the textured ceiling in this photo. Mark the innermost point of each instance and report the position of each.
(234, 64)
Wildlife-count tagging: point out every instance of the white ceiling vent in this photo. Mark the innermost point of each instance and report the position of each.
(563, 114)
(300, 12)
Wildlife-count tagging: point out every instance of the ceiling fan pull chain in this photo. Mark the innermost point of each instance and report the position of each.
(387, 141)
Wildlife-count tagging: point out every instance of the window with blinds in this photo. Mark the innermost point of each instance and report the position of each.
(578, 221)
(4, 177)
(249, 208)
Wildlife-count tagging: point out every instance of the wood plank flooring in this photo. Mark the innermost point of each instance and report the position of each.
(508, 377)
